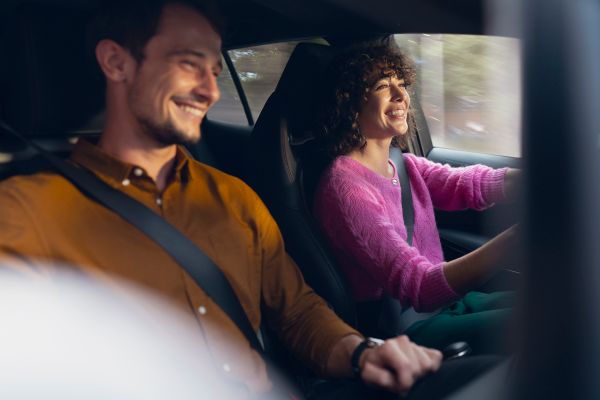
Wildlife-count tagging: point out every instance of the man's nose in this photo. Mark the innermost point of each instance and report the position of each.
(207, 87)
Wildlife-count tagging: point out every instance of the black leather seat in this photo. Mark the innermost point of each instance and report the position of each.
(285, 169)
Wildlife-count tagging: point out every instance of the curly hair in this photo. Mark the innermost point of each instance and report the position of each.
(349, 78)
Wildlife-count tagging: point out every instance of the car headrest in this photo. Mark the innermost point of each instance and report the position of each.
(49, 86)
(301, 86)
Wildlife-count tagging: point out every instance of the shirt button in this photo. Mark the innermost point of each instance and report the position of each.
(125, 182)
(159, 201)
(226, 368)
(138, 171)
(394, 181)
(202, 310)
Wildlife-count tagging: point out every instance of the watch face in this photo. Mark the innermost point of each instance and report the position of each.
(374, 342)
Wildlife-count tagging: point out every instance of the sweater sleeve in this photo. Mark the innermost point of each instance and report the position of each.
(475, 186)
(354, 217)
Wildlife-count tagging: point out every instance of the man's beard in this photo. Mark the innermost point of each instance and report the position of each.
(166, 133)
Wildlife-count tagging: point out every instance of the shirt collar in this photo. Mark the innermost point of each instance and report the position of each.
(93, 158)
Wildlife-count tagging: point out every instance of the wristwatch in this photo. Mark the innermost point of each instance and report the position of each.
(368, 343)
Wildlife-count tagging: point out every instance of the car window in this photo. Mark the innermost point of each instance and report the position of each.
(259, 69)
(229, 108)
(469, 88)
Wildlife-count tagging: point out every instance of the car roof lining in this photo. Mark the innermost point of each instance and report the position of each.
(261, 21)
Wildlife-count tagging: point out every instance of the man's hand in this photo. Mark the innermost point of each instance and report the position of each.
(397, 364)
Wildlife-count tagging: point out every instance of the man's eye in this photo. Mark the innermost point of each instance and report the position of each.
(189, 64)
(382, 86)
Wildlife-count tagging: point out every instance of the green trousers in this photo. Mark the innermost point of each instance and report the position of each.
(481, 319)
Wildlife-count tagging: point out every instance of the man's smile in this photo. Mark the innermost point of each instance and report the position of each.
(190, 108)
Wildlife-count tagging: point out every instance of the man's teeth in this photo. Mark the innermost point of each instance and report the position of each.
(191, 110)
(396, 113)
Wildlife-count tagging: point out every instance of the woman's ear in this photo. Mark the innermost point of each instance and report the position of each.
(114, 60)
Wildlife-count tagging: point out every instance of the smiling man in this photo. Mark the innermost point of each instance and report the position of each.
(157, 97)
(161, 60)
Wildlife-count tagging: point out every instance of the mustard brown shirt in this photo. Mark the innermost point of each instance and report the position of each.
(43, 217)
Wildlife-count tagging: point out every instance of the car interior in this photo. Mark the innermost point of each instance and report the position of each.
(51, 93)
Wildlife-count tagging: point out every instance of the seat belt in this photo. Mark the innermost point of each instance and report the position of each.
(181, 249)
(408, 212)
(389, 305)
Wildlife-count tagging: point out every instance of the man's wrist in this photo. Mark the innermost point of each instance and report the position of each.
(355, 360)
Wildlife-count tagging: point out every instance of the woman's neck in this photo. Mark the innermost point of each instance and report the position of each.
(375, 155)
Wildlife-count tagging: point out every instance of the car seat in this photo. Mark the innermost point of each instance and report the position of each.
(284, 168)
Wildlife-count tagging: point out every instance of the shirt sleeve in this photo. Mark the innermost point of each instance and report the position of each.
(21, 244)
(302, 320)
(356, 218)
(475, 186)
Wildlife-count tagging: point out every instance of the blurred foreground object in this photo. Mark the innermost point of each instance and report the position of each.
(71, 338)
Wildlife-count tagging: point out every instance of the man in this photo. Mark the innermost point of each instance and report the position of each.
(160, 61)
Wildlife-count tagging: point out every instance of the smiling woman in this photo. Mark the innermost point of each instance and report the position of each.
(368, 77)
(359, 204)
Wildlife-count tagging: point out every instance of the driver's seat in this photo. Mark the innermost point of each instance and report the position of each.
(286, 167)
(285, 170)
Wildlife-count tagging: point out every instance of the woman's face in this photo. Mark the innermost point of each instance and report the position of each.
(385, 109)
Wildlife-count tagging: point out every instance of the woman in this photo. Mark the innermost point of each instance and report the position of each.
(358, 204)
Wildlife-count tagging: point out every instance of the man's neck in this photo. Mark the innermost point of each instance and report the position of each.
(158, 161)
(375, 156)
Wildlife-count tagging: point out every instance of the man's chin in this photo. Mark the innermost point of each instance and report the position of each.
(171, 136)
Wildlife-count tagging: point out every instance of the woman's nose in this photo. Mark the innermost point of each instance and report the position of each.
(398, 93)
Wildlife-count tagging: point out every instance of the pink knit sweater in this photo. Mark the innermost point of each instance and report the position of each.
(360, 213)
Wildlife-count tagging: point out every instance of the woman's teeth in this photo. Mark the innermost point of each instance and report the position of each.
(396, 113)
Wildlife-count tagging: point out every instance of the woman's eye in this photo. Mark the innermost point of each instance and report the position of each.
(382, 86)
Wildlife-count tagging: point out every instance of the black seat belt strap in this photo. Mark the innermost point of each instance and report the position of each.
(408, 212)
(186, 253)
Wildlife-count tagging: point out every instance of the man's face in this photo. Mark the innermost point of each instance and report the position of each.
(176, 82)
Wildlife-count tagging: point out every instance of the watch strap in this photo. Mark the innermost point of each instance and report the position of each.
(368, 343)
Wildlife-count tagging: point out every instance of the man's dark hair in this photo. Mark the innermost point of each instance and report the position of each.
(131, 23)
(348, 79)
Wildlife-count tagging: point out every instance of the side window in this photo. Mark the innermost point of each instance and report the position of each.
(229, 108)
(469, 88)
(258, 69)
